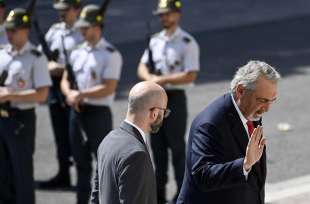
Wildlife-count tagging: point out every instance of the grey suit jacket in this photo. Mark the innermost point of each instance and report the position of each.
(124, 172)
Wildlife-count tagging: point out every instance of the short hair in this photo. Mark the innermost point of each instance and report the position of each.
(248, 74)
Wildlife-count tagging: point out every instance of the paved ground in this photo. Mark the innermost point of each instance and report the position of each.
(230, 33)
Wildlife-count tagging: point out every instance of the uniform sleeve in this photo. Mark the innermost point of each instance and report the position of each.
(132, 182)
(145, 57)
(48, 35)
(210, 171)
(41, 75)
(191, 58)
(114, 66)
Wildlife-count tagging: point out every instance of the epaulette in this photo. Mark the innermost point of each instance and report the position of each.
(187, 39)
(110, 49)
(36, 52)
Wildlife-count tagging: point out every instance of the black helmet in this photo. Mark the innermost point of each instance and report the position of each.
(89, 16)
(165, 6)
(18, 18)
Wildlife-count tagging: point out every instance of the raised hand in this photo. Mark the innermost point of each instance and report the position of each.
(255, 148)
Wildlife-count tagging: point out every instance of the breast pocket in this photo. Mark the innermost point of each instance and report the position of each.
(15, 72)
(173, 60)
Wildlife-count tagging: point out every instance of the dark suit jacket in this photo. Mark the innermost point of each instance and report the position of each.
(214, 166)
(125, 173)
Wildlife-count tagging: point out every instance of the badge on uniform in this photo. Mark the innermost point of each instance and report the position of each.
(21, 83)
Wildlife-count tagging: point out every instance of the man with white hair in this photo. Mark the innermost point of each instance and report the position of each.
(226, 158)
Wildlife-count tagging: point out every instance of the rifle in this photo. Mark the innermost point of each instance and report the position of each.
(3, 77)
(71, 76)
(51, 55)
(104, 6)
(150, 63)
(30, 6)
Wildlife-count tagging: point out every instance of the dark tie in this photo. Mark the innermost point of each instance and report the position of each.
(250, 127)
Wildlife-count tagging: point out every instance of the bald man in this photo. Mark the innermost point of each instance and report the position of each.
(124, 171)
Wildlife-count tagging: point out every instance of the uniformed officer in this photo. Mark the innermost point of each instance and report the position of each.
(171, 60)
(59, 112)
(3, 37)
(97, 67)
(25, 84)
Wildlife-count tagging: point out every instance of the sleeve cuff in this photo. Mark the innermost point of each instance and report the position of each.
(246, 173)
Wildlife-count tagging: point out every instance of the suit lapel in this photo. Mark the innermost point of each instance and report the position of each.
(237, 127)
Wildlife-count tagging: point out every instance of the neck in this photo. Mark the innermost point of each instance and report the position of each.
(19, 46)
(170, 31)
(93, 42)
(70, 24)
(138, 122)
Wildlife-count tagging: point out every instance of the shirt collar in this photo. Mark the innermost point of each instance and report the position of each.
(243, 119)
(100, 44)
(139, 129)
(176, 33)
(66, 29)
(26, 47)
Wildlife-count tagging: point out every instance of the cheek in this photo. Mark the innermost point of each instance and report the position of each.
(259, 109)
(164, 19)
(253, 107)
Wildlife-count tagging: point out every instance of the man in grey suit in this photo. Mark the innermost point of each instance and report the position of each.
(125, 173)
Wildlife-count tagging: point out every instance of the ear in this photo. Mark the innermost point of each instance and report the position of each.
(153, 114)
(240, 90)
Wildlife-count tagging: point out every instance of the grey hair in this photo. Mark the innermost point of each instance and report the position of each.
(248, 74)
(141, 102)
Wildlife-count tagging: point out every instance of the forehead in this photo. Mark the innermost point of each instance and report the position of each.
(266, 88)
(169, 13)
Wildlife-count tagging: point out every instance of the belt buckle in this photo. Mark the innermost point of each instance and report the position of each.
(4, 114)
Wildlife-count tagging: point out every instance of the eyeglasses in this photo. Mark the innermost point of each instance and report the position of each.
(167, 111)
